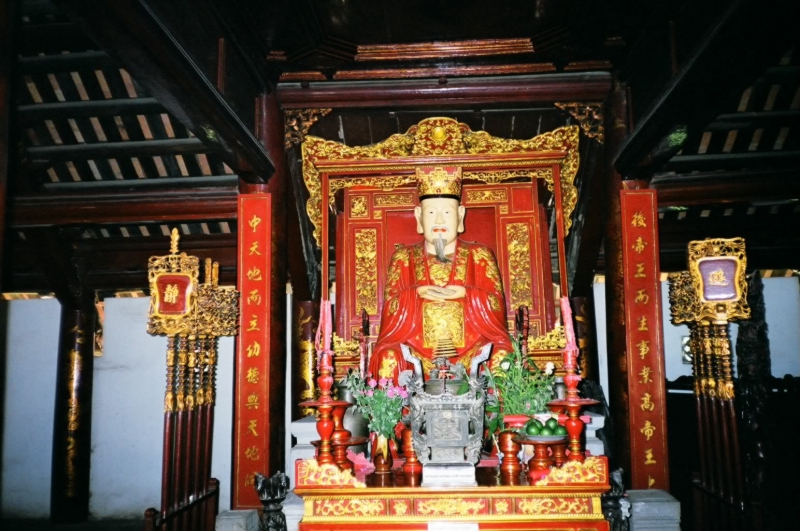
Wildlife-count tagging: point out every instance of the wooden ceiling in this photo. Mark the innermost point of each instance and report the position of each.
(133, 117)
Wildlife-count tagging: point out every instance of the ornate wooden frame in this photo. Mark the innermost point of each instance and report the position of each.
(717, 249)
(330, 166)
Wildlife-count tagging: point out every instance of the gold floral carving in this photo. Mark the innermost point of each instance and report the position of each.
(353, 507)
(400, 507)
(439, 136)
(439, 271)
(486, 196)
(497, 177)
(307, 357)
(312, 474)
(561, 506)
(683, 303)
(519, 264)
(592, 470)
(552, 340)
(716, 248)
(394, 200)
(442, 319)
(358, 207)
(588, 115)
(450, 507)
(367, 270)
(501, 506)
(298, 122)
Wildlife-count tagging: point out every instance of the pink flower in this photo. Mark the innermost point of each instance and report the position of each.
(383, 382)
(369, 392)
(402, 392)
(372, 383)
(390, 392)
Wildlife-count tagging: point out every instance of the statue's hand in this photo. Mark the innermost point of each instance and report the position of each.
(456, 292)
(434, 293)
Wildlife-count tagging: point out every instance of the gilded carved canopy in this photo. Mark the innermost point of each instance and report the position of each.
(483, 157)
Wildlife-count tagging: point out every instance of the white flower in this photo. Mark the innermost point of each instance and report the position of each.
(549, 368)
(505, 365)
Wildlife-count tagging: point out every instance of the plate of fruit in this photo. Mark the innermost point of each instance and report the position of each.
(548, 431)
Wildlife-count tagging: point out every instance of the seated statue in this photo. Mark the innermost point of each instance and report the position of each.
(443, 296)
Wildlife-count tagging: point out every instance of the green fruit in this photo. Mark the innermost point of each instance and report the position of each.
(538, 423)
(560, 430)
(532, 429)
(546, 432)
(551, 423)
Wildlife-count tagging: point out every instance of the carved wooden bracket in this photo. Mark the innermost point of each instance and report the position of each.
(298, 122)
(588, 115)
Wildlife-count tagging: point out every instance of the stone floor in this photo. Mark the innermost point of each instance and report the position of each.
(96, 525)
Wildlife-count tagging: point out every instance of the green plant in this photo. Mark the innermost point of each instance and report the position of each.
(517, 387)
(380, 401)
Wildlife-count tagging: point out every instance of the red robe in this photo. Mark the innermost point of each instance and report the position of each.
(472, 322)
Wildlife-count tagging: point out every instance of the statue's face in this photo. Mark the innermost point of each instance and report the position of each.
(440, 216)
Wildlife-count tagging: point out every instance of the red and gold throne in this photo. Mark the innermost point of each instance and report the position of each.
(361, 202)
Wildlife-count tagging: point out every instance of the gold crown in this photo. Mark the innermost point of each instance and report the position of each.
(439, 181)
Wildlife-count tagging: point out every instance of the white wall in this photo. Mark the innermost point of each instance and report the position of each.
(127, 418)
(782, 301)
(30, 335)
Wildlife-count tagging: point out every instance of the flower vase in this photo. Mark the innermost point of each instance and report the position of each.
(381, 455)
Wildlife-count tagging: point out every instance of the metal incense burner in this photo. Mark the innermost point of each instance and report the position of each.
(446, 418)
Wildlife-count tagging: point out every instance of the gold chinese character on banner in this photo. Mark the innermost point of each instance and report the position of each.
(254, 249)
(252, 401)
(253, 424)
(648, 457)
(640, 270)
(718, 278)
(638, 220)
(648, 429)
(253, 327)
(252, 374)
(254, 274)
(642, 297)
(645, 374)
(639, 245)
(644, 348)
(647, 405)
(643, 324)
(254, 297)
(251, 453)
(650, 481)
(171, 293)
(250, 479)
(254, 221)
(254, 349)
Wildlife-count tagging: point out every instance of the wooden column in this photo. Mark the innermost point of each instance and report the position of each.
(72, 430)
(647, 398)
(260, 395)
(616, 130)
(305, 355)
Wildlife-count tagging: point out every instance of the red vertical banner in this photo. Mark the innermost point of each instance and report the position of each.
(252, 357)
(644, 341)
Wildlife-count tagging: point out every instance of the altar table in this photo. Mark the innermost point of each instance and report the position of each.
(567, 499)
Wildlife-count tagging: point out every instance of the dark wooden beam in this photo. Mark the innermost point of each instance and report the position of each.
(76, 109)
(204, 204)
(131, 185)
(7, 13)
(66, 62)
(734, 161)
(752, 120)
(726, 187)
(131, 32)
(746, 38)
(546, 89)
(112, 150)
